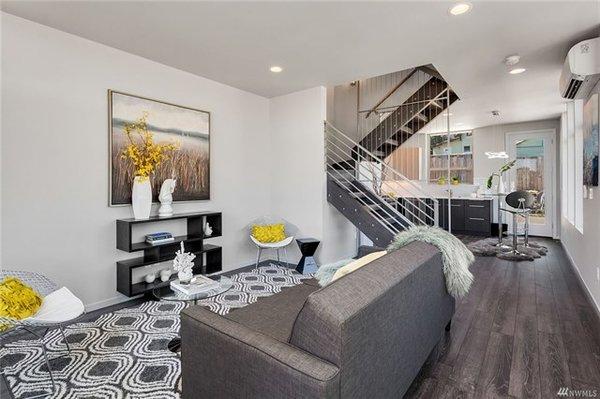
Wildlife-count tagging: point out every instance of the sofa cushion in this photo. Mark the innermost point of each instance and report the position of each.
(357, 264)
(274, 315)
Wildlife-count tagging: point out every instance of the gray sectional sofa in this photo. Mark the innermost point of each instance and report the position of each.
(365, 335)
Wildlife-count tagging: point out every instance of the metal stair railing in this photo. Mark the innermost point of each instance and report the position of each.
(389, 211)
(383, 222)
(340, 149)
(365, 177)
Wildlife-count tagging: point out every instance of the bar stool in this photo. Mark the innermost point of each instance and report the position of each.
(520, 202)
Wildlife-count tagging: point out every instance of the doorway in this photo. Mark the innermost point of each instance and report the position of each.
(534, 171)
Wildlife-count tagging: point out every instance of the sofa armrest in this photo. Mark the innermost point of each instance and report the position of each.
(224, 359)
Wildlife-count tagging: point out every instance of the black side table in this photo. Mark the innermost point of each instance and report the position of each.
(308, 247)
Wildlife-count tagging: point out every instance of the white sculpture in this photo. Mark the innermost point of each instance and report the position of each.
(208, 230)
(166, 197)
(183, 263)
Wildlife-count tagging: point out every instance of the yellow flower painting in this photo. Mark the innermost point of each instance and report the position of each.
(158, 141)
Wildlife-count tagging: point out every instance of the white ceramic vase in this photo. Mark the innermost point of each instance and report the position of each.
(500, 185)
(141, 197)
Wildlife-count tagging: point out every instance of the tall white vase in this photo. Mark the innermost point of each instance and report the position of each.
(141, 197)
(501, 187)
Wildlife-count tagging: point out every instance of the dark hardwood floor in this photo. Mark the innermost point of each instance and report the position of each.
(525, 330)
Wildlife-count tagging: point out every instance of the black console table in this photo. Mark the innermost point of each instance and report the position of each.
(193, 241)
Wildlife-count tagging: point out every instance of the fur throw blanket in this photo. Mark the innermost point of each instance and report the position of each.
(456, 256)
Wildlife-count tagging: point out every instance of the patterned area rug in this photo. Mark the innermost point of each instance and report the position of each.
(123, 354)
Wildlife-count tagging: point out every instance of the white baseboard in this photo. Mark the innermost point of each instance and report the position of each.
(108, 302)
(586, 289)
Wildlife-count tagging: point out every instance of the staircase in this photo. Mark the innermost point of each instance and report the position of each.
(355, 188)
(375, 197)
(403, 121)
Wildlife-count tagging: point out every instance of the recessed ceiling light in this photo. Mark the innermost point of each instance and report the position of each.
(276, 69)
(447, 114)
(460, 8)
(459, 123)
(516, 71)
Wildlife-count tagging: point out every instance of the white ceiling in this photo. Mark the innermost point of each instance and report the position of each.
(336, 42)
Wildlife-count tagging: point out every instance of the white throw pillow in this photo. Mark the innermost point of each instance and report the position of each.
(357, 264)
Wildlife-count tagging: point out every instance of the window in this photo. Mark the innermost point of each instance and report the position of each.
(564, 185)
(571, 141)
(460, 149)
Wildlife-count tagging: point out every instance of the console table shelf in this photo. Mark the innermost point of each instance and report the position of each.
(208, 257)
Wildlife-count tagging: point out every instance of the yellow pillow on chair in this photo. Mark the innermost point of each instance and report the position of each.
(17, 300)
(269, 232)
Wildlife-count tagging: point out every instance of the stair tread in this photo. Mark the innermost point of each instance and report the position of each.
(407, 122)
(422, 117)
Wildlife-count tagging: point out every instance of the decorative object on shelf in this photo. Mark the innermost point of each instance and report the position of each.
(164, 123)
(145, 156)
(441, 181)
(182, 264)
(165, 275)
(590, 141)
(207, 230)
(455, 180)
(166, 197)
(308, 247)
(505, 168)
(149, 278)
(141, 197)
(159, 238)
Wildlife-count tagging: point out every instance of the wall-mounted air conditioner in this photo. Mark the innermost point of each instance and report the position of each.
(581, 70)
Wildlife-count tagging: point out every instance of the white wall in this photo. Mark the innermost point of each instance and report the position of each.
(266, 158)
(342, 108)
(298, 173)
(54, 155)
(583, 248)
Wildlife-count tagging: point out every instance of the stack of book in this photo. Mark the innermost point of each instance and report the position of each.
(159, 238)
(198, 285)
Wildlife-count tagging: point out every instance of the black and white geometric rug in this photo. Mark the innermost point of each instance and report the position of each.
(123, 354)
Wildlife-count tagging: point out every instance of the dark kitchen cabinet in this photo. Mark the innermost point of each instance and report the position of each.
(468, 216)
